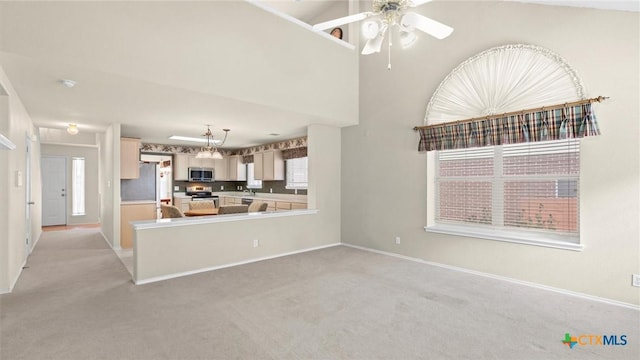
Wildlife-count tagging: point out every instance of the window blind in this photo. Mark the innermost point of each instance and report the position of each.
(528, 186)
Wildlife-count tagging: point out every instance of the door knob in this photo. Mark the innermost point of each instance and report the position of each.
(31, 203)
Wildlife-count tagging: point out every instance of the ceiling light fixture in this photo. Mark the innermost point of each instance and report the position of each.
(68, 83)
(210, 151)
(72, 129)
(386, 15)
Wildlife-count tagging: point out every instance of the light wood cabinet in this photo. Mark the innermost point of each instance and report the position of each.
(271, 205)
(298, 206)
(182, 203)
(236, 170)
(134, 212)
(268, 165)
(281, 205)
(129, 158)
(181, 167)
(201, 163)
(220, 169)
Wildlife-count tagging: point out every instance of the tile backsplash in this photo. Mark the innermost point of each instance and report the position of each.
(277, 187)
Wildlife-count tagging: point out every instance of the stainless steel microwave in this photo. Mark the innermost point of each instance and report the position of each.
(201, 174)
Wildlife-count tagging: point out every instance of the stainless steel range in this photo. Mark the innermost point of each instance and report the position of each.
(202, 193)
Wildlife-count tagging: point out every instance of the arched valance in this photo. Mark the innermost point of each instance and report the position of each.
(527, 84)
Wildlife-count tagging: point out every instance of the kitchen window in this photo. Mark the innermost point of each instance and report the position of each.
(77, 186)
(526, 193)
(297, 173)
(252, 183)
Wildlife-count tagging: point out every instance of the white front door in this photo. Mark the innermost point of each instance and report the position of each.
(54, 190)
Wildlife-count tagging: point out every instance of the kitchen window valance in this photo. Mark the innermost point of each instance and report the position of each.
(294, 153)
(563, 121)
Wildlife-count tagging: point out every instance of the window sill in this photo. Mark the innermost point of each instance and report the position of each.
(519, 237)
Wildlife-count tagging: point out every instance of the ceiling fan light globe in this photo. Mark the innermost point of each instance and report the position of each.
(373, 45)
(370, 29)
(216, 155)
(407, 38)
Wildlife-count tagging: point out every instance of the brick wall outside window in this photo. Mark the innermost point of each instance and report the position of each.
(534, 191)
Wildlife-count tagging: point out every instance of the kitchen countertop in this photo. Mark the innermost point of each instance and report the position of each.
(137, 202)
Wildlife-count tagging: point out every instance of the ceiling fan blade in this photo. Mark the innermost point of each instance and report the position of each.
(374, 45)
(414, 3)
(434, 28)
(341, 21)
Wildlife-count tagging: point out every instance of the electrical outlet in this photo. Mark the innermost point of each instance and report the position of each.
(635, 280)
(397, 240)
(176, 188)
(256, 243)
(221, 187)
(270, 191)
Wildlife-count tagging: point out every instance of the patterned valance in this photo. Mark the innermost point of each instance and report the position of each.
(557, 122)
(247, 159)
(282, 145)
(178, 149)
(294, 153)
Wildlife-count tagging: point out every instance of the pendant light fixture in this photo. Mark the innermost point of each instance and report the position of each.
(210, 151)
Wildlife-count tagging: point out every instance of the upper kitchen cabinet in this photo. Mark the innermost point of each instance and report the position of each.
(201, 163)
(181, 167)
(129, 158)
(268, 165)
(236, 170)
(220, 169)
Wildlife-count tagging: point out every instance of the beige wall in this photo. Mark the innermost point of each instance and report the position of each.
(109, 184)
(384, 187)
(90, 154)
(16, 124)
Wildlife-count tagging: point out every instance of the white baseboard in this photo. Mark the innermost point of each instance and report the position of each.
(504, 278)
(187, 273)
(14, 281)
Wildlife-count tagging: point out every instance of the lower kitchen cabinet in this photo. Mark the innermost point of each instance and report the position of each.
(298, 206)
(182, 203)
(134, 212)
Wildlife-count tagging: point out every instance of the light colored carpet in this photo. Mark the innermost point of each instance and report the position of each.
(76, 301)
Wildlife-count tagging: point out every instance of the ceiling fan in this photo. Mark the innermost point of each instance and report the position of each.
(386, 14)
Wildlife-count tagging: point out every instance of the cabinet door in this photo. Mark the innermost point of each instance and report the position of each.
(258, 172)
(295, 206)
(133, 212)
(129, 158)
(236, 169)
(281, 205)
(220, 169)
(208, 163)
(267, 165)
(271, 205)
(194, 162)
(272, 165)
(181, 167)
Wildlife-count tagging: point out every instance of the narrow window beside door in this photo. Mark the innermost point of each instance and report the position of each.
(77, 186)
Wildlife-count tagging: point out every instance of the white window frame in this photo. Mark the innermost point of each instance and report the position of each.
(297, 162)
(489, 232)
(251, 182)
